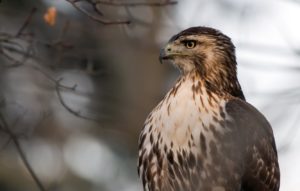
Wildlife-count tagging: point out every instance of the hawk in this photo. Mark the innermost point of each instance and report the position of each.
(204, 136)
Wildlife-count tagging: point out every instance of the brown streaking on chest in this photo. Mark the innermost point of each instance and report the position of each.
(181, 141)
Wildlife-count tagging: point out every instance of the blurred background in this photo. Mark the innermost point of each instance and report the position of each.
(77, 82)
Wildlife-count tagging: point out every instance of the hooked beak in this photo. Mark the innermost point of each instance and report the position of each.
(165, 54)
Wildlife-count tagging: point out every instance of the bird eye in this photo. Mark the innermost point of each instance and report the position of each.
(190, 43)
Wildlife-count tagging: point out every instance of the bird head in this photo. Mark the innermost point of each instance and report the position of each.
(200, 48)
(206, 51)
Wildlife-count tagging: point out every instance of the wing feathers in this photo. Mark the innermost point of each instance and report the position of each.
(261, 169)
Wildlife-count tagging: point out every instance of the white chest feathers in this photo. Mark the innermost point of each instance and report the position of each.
(186, 112)
(182, 131)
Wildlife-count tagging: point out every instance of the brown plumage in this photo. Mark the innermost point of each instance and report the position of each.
(204, 136)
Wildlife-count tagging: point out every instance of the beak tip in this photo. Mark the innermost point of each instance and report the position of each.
(160, 60)
(162, 54)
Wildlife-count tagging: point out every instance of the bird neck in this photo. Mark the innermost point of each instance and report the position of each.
(217, 83)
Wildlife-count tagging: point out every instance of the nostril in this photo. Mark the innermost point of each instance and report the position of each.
(168, 49)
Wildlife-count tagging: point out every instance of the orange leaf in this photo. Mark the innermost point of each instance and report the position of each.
(50, 16)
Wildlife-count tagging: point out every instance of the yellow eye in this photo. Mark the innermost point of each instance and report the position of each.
(190, 43)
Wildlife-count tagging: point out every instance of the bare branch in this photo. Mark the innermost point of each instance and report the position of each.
(58, 87)
(135, 4)
(53, 80)
(9, 43)
(101, 20)
(21, 153)
(72, 111)
(26, 22)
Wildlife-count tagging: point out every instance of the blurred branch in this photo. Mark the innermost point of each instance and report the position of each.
(53, 80)
(10, 43)
(58, 86)
(68, 108)
(18, 48)
(101, 18)
(26, 22)
(134, 4)
(17, 144)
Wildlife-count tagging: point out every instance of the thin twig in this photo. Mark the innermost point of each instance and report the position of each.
(22, 154)
(53, 80)
(101, 20)
(58, 87)
(26, 54)
(16, 63)
(135, 4)
(8, 43)
(26, 22)
(68, 108)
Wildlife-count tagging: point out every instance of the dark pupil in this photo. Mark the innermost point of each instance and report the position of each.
(190, 44)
